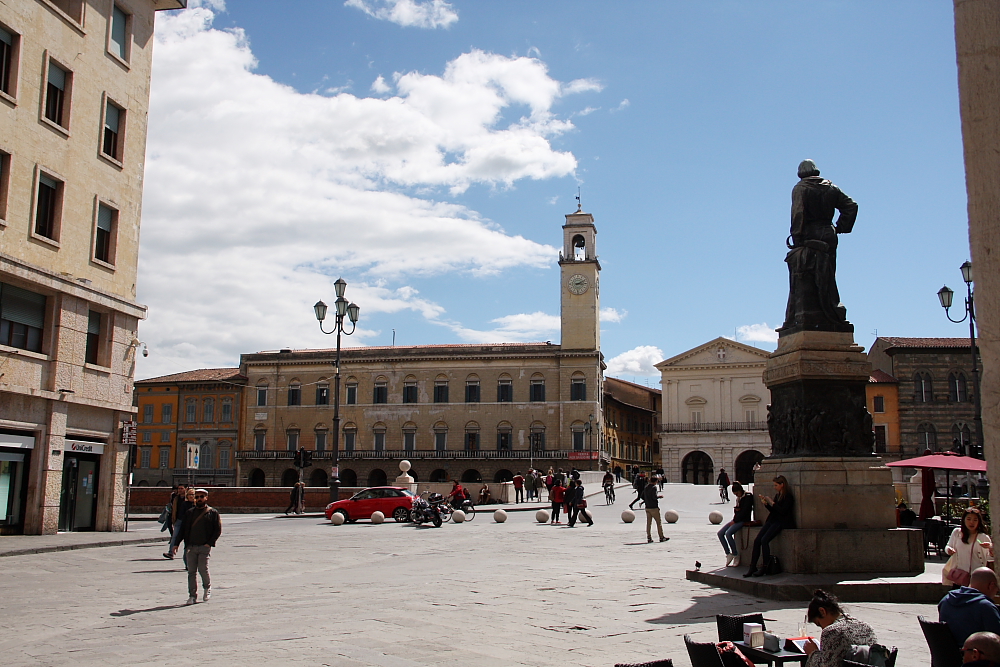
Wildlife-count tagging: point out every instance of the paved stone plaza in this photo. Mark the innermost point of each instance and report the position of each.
(301, 591)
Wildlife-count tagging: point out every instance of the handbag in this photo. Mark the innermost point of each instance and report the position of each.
(957, 575)
(773, 566)
(165, 514)
(582, 503)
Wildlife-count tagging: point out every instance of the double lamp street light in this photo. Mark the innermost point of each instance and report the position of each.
(945, 296)
(351, 310)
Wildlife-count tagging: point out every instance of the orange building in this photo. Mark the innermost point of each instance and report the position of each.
(196, 407)
(883, 404)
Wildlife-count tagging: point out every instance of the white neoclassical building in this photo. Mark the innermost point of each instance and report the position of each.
(714, 412)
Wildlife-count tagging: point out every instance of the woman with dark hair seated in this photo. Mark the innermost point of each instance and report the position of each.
(840, 631)
(780, 515)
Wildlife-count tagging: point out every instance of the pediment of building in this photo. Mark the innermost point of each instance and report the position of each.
(720, 353)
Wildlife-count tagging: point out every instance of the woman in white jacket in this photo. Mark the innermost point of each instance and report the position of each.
(970, 548)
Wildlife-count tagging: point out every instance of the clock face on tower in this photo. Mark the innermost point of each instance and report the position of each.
(577, 284)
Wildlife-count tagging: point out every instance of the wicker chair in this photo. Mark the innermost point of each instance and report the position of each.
(702, 654)
(731, 627)
(655, 663)
(944, 649)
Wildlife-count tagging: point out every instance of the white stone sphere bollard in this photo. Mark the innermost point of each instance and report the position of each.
(337, 519)
(541, 516)
(715, 517)
(499, 516)
(458, 516)
(628, 516)
(671, 516)
(404, 465)
(377, 517)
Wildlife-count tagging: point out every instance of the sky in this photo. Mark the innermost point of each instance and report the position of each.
(427, 152)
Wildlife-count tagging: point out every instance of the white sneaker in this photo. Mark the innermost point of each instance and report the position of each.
(192, 600)
(736, 560)
(729, 559)
(207, 596)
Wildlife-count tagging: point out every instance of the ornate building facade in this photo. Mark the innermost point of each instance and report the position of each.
(714, 412)
(74, 92)
(468, 412)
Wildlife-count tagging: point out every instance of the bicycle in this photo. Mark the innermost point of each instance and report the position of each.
(724, 493)
(609, 494)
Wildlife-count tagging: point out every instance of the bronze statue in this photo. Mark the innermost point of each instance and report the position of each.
(813, 299)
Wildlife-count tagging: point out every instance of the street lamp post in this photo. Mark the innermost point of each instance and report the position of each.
(351, 310)
(590, 440)
(945, 296)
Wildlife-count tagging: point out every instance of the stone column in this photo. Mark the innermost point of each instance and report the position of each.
(977, 42)
(43, 498)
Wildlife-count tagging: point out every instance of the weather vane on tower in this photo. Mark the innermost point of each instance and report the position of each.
(579, 202)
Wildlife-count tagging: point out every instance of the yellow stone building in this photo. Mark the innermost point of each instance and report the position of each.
(74, 92)
(469, 412)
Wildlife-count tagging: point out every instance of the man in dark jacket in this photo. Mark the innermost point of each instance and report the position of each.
(200, 529)
(651, 496)
(638, 483)
(970, 609)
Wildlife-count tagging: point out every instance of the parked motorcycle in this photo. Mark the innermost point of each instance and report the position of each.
(428, 509)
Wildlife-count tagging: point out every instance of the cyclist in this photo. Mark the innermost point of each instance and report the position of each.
(723, 482)
(609, 487)
(457, 496)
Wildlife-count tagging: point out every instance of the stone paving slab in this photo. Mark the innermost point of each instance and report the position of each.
(309, 593)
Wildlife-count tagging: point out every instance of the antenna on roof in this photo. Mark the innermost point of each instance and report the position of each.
(579, 202)
(875, 333)
(394, 338)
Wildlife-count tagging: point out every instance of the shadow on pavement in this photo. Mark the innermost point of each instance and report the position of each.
(129, 612)
(705, 608)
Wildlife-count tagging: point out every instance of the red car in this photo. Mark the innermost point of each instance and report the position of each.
(389, 500)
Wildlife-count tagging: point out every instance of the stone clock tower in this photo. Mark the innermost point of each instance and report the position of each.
(580, 284)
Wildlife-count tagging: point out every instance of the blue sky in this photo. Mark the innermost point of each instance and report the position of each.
(428, 151)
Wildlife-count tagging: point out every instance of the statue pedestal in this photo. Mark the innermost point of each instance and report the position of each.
(822, 442)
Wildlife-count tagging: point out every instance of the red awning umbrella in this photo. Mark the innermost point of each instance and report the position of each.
(942, 461)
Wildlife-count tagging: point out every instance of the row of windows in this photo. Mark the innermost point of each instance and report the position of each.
(380, 392)
(190, 412)
(205, 458)
(927, 436)
(923, 388)
(408, 439)
(55, 112)
(147, 436)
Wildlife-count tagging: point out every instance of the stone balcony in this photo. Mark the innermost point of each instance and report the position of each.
(699, 427)
(423, 454)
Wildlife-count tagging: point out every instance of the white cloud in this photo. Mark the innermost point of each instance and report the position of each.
(613, 315)
(587, 111)
(380, 86)
(637, 361)
(409, 13)
(757, 333)
(582, 86)
(624, 104)
(520, 328)
(257, 196)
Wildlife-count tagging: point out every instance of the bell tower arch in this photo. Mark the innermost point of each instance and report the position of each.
(580, 284)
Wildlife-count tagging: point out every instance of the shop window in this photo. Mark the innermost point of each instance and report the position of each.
(22, 318)
(878, 403)
(322, 394)
(295, 394)
(106, 234)
(167, 413)
(578, 389)
(147, 413)
(472, 391)
(47, 207)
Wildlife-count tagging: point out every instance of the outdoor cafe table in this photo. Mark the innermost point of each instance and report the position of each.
(759, 655)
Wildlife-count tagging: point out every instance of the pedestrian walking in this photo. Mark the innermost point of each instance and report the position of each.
(185, 502)
(200, 528)
(618, 474)
(661, 477)
(560, 478)
(176, 501)
(296, 499)
(638, 484)
(572, 510)
(651, 497)
(574, 473)
(557, 494)
(581, 505)
(518, 488)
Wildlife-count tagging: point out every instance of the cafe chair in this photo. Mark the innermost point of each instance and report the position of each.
(889, 662)
(731, 627)
(655, 663)
(944, 649)
(702, 654)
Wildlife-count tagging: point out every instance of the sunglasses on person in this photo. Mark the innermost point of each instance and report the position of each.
(201, 495)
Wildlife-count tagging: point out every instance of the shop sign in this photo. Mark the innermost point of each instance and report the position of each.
(128, 433)
(582, 456)
(84, 447)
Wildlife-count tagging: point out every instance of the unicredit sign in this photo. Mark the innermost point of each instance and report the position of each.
(84, 447)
